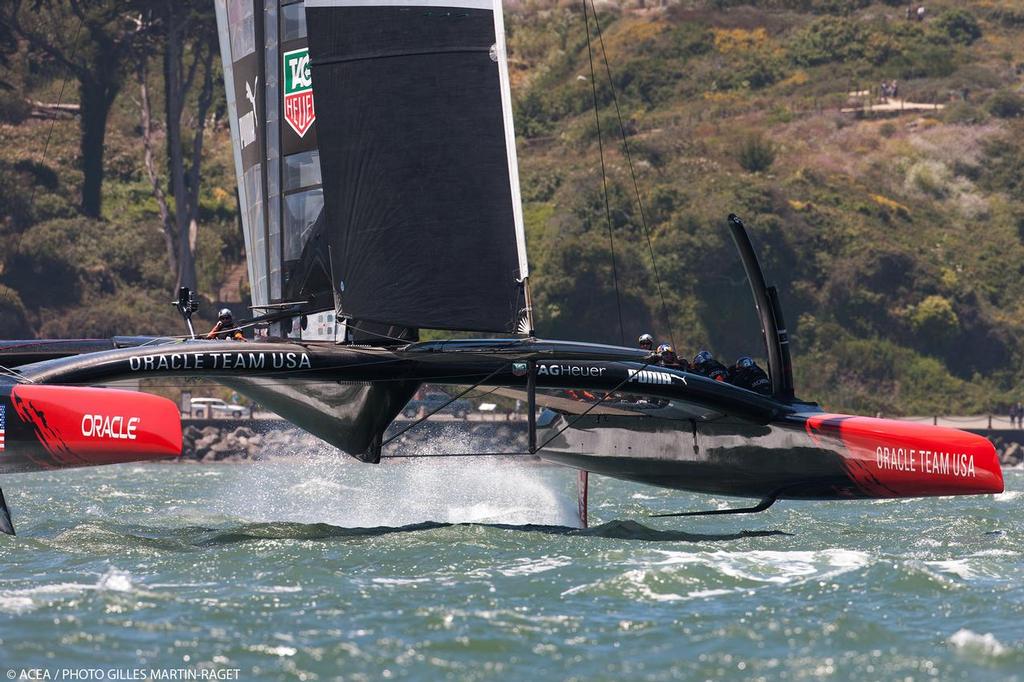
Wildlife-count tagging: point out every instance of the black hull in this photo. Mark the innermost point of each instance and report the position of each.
(727, 457)
(627, 419)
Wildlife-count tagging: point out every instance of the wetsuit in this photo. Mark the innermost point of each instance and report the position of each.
(752, 378)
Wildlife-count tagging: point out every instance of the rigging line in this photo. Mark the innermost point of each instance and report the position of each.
(629, 375)
(580, 416)
(13, 373)
(446, 404)
(56, 111)
(461, 454)
(632, 173)
(604, 178)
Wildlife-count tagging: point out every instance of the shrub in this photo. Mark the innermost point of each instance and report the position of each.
(1005, 104)
(935, 319)
(827, 40)
(964, 113)
(958, 25)
(756, 154)
(13, 107)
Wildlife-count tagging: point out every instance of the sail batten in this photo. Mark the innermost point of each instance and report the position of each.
(417, 151)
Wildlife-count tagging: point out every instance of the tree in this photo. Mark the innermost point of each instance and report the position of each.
(185, 33)
(93, 40)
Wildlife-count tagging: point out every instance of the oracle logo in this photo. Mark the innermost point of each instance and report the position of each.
(116, 427)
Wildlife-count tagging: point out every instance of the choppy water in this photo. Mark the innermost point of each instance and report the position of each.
(259, 567)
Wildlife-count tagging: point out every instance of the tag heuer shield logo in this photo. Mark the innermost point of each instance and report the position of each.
(298, 91)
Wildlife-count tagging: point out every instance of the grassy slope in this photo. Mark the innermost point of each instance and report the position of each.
(896, 243)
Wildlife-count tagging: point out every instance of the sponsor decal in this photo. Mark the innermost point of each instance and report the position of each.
(248, 123)
(117, 427)
(3, 425)
(77, 426)
(298, 91)
(650, 376)
(570, 370)
(932, 462)
(519, 369)
(219, 361)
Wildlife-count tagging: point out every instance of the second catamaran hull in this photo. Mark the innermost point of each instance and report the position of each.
(811, 456)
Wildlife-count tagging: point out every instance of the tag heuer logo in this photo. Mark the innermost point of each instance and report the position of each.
(298, 91)
(519, 369)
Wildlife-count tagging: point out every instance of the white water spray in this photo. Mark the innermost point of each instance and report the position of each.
(323, 485)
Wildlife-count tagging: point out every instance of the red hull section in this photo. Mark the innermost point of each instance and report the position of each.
(60, 427)
(888, 458)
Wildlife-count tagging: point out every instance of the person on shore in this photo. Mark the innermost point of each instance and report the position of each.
(1020, 414)
(225, 327)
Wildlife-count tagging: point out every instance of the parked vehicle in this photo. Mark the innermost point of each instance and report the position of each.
(209, 408)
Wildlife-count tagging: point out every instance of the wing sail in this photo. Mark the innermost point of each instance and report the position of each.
(417, 151)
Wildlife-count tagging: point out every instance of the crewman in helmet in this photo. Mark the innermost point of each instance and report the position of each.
(668, 358)
(704, 363)
(646, 342)
(746, 374)
(225, 327)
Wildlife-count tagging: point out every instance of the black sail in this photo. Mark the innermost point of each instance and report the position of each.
(417, 152)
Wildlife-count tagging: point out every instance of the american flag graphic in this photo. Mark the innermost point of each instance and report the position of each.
(3, 425)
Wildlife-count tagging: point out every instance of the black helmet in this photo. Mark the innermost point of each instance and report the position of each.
(646, 341)
(701, 358)
(745, 362)
(224, 314)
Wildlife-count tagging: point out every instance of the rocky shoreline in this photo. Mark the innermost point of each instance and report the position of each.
(230, 443)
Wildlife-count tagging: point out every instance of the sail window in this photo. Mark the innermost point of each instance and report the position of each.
(302, 170)
(252, 182)
(301, 211)
(293, 24)
(242, 28)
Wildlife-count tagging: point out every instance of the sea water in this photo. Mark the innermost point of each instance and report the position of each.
(316, 567)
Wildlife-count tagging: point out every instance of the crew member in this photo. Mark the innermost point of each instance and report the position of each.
(746, 374)
(646, 342)
(704, 363)
(668, 358)
(225, 327)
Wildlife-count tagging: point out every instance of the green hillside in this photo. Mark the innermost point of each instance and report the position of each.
(894, 237)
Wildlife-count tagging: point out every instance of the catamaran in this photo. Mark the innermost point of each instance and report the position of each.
(379, 191)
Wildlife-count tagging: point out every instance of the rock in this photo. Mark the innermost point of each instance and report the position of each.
(243, 432)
